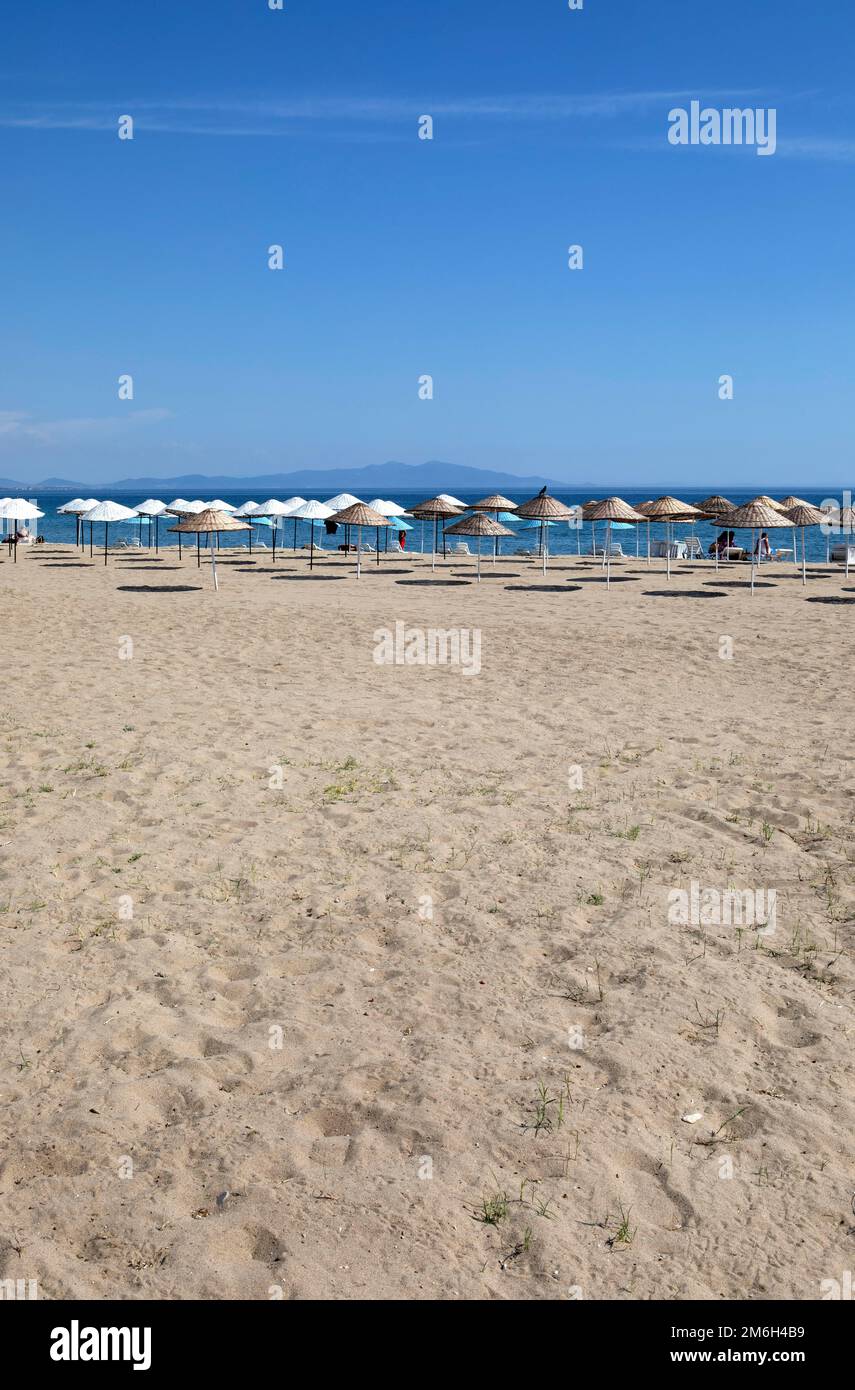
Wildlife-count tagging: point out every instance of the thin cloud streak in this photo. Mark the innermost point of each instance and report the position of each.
(17, 425)
(268, 116)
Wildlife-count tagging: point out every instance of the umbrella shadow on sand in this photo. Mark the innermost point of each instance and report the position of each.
(598, 579)
(739, 584)
(542, 588)
(683, 593)
(828, 598)
(437, 583)
(68, 565)
(309, 578)
(159, 588)
(490, 574)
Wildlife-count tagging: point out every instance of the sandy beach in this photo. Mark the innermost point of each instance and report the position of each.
(324, 978)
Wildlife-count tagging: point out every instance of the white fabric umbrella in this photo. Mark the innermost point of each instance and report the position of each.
(274, 510)
(153, 509)
(107, 512)
(455, 501)
(342, 500)
(219, 506)
(310, 511)
(339, 503)
(385, 508)
(18, 509)
(74, 508)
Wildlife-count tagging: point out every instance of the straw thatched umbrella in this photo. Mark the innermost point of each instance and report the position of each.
(208, 523)
(803, 515)
(767, 501)
(609, 510)
(789, 502)
(154, 510)
(18, 509)
(435, 508)
(497, 504)
(667, 509)
(713, 508)
(309, 511)
(360, 515)
(479, 525)
(544, 508)
(753, 516)
(107, 512)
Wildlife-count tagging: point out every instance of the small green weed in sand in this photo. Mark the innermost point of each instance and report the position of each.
(623, 1234)
(493, 1210)
(548, 1110)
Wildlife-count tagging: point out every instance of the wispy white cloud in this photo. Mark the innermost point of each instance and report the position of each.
(18, 426)
(272, 116)
(818, 147)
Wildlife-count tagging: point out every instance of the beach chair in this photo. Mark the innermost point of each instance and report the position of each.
(839, 555)
(694, 549)
(522, 551)
(461, 548)
(615, 551)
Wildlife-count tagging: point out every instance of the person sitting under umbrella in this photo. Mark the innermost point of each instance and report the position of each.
(762, 549)
(721, 543)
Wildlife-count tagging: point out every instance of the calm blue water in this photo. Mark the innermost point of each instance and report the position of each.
(563, 539)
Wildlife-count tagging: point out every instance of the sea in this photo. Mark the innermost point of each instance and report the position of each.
(564, 538)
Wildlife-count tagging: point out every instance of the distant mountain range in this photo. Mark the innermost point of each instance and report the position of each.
(377, 480)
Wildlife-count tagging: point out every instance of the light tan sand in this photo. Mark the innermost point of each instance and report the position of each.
(414, 1044)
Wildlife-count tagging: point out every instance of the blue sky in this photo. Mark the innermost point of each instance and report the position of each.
(407, 257)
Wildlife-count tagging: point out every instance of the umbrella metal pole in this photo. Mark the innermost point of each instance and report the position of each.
(804, 563)
(668, 547)
(648, 545)
(274, 540)
(608, 554)
(179, 546)
(543, 543)
(312, 546)
(214, 568)
(377, 528)
(90, 540)
(433, 552)
(753, 558)
(106, 529)
(478, 564)
(198, 552)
